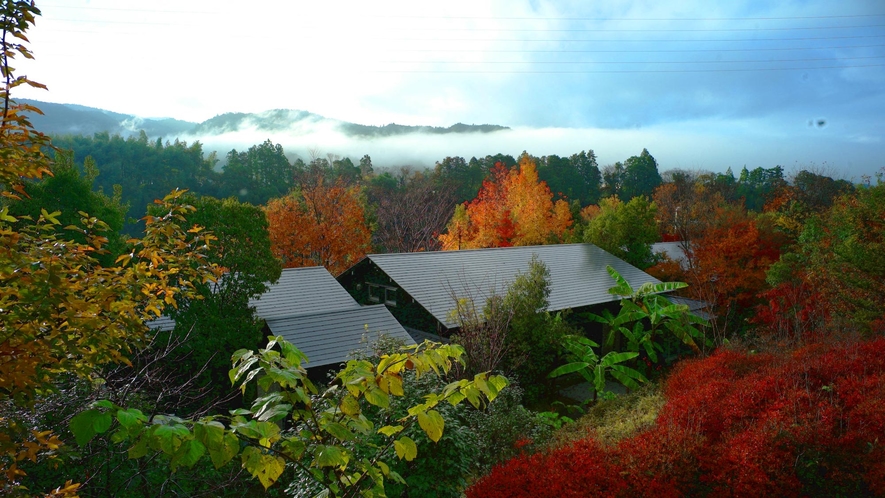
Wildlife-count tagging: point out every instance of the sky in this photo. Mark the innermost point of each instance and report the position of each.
(700, 84)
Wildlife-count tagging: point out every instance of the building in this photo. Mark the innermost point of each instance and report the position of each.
(310, 309)
(421, 288)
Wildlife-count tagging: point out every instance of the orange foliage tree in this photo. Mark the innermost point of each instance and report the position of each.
(513, 208)
(319, 225)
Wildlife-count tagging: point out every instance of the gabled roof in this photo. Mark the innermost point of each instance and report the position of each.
(301, 291)
(329, 338)
(578, 275)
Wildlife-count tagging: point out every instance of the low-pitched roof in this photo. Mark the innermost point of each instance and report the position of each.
(301, 291)
(329, 338)
(578, 275)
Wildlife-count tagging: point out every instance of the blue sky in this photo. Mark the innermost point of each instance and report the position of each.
(700, 84)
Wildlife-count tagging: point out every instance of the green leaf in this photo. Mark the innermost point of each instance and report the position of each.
(293, 448)
(188, 454)
(139, 449)
(87, 424)
(432, 423)
(405, 448)
(614, 358)
(569, 368)
(377, 397)
(130, 417)
(339, 431)
(331, 456)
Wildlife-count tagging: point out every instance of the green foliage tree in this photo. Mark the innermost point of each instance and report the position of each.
(70, 192)
(221, 319)
(626, 230)
(640, 176)
(260, 173)
(585, 164)
(332, 439)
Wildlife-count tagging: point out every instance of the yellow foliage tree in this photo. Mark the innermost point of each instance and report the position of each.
(61, 312)
(513, 208)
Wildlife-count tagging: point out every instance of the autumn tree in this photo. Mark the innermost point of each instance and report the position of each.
(61, 313)
(513, 208)
(319, 225)
(728, 265)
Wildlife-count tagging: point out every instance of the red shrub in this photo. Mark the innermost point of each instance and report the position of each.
(735, 424)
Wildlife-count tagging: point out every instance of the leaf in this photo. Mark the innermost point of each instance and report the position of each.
(432, 423)
(331, 456)
(130, 417)
(267, 468)
(569, 368)
(349, 406)
(390, 430)
(377, 397)
(622, 287)
(339, 431)
(85, 425)
(188, 454)
(405, 448)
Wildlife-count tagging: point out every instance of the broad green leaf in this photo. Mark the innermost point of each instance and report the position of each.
(377, 397)
(432, 423)
(614, 358)
(339, 431)
(405, 448)
(130, 417)
(569, 368)
(188, 454)
(331, 456)
(293, 448)
(139, 449)
(85, 425)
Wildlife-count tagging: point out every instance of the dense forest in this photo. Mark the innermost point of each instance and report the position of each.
(774, 388)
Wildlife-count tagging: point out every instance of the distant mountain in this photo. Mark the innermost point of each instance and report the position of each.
(73, 119)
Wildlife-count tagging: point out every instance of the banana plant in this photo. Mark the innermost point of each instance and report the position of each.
(646, 315)
(594, 369)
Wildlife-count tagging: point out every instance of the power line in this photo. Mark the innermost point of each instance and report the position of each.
(615, 71)
(636, 62)
(595, 51)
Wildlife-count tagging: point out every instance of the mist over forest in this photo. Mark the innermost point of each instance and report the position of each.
(305, 135)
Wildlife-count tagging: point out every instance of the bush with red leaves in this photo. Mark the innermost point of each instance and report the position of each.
(807, 422)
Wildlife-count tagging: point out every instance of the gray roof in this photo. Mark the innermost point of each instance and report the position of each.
(302, 291)
(577, 275)
(329, 338)
(672, 250)
(299, 291)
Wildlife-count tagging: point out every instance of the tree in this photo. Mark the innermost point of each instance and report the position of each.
(261, 173)
(640, 176)
(221, 319)
(318, 225)
(61, 313)
(625, 230)
(588, 169)
(409, 218)
(343, 438)
(70, 192)
(513, 208)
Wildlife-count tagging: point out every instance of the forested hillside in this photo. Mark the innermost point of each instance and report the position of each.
(774, 388)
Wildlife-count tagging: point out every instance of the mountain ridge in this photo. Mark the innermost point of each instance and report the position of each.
(75, 119)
